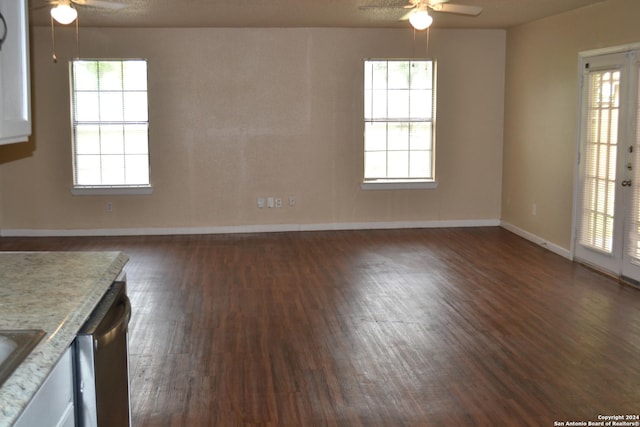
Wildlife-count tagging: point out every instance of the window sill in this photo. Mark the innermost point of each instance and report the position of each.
(109, 191)
(382, 184)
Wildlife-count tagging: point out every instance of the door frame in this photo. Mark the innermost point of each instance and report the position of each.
(583, 58)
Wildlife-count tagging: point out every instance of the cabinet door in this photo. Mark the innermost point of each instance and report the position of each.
(15, 111)
(53, 404)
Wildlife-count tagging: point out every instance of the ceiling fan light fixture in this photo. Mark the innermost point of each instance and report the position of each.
(64, 14)
(420, 19)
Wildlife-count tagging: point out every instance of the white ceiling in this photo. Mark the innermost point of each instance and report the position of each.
(302, 13)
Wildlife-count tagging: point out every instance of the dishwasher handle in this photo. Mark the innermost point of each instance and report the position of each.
(119, 327)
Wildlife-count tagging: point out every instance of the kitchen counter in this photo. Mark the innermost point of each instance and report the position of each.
(55, 292)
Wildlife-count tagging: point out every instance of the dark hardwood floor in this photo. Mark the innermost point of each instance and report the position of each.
(436, 327)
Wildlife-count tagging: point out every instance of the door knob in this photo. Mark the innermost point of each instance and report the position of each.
(626, 183)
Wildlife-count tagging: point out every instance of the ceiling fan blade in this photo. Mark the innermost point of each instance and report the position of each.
(103, 4)
(400, 6)
(460, 9)
(406, 16)
(412, 4)
(42, 4)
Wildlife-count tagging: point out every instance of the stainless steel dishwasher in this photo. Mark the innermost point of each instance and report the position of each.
(102, 365)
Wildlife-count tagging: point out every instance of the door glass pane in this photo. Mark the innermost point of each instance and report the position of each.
(600, 160)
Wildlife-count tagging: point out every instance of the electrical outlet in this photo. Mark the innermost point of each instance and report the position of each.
(292, 200)
(260, 202)
(108, 207)
(270, 202)
(278, 202)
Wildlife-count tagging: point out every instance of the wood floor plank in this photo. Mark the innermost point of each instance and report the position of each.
(439, 327)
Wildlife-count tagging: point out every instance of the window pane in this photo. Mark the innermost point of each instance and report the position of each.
(85, 75)
(368, 75)
(87, 108)
(421, 104)
(398, 107)
(136, 137)
(113, 170)
(379, 77)
(110, 73)
(420, 138)
(111, 105)
(135, 106)
(398, 164)
(375, 164)
(398, 75)
(376, 136)
(379, 107)
(420, 164)
(421, 76)
(137, 170)
(87, 139)
(135, 75)
(367, 105)
(88, 170)
(112, 138)
(398, 136)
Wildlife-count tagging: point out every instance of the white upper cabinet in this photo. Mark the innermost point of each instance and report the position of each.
(15, 109)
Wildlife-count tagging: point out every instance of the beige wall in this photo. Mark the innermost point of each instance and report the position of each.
(241, 113)
(541, 112)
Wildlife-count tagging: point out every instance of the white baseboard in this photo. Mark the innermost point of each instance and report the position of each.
(264, 228)
(563, 252)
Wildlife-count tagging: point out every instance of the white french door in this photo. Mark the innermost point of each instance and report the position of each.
(608, 209)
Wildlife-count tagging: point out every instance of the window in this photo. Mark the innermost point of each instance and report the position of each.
(399, 100)
(110, 125)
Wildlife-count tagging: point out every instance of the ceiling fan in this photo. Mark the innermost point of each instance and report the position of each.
(419, 16)
(64, 11)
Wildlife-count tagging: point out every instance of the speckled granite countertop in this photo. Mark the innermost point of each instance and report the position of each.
(53, 291)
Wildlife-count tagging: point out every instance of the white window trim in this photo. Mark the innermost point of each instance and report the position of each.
(386, 184)
(109, 191)
(124, 189)
(408, 183)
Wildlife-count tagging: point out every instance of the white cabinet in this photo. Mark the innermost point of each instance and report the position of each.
(53, 404)
(15, 108)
